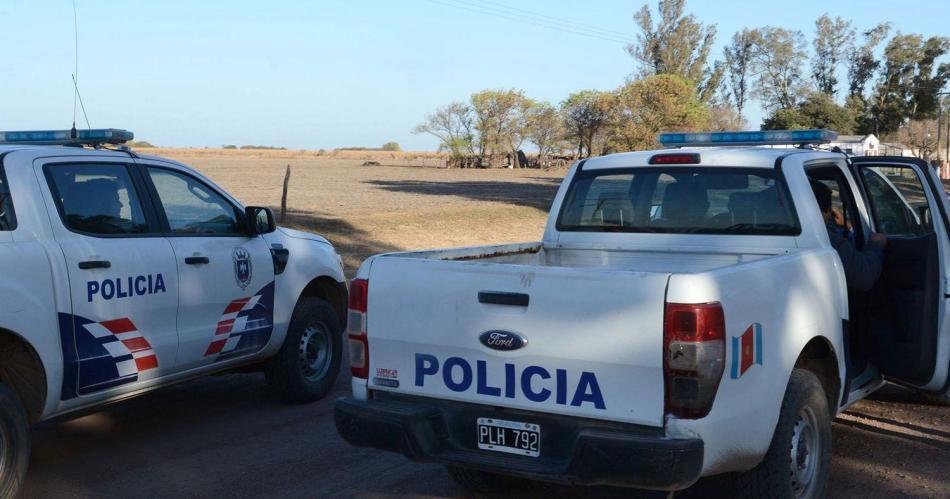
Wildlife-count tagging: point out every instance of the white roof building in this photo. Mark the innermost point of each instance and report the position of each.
(858, 145)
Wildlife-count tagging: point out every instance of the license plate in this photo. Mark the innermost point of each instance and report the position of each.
(523, 439)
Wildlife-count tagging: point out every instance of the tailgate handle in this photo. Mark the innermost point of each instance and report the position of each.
(95, 264)
(503, 298)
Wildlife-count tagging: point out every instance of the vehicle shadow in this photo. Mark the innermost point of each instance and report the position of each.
(532, 194)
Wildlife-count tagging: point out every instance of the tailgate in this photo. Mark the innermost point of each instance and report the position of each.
(593, 338)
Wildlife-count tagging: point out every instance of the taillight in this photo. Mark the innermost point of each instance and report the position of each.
(694, 356)
(356, 329)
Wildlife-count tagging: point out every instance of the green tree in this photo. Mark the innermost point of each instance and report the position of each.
(863, 62)
(832, 37)
(817, 110)
(545, 128)
(391, 146)
(453, 125)
(777, 60)
(656, 104)
(501, 122)
(908, 83)
(738, 56)
(587, 114)
(861, 69)
(677, 45)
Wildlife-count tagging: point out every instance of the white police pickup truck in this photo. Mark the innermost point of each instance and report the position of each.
(123, 273)
(684, 316)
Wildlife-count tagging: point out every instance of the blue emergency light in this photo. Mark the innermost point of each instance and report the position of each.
(769, 137)
(89, 137)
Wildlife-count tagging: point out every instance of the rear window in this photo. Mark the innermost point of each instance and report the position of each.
(97, 199)
(679, 200)
(7, 217)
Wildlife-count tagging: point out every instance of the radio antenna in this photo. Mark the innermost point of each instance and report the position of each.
(76, 94)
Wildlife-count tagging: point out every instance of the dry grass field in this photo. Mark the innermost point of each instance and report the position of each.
(371, 209)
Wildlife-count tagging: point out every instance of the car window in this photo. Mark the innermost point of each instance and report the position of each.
(97, 199)
(7, 217)
(679, 200)
(898, 200)
(192, 207)
(842, 206)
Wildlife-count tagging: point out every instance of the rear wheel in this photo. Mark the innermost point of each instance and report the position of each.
(14, 442)
(797, 462)
(485, 482)
(308, 362)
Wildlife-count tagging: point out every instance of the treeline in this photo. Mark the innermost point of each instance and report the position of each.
(496, 124)
(891, 89)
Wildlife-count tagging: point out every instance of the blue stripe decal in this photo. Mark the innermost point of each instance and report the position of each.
(735, 357)
(758, 343)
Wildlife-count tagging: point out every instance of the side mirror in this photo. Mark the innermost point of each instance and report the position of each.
(259, 220)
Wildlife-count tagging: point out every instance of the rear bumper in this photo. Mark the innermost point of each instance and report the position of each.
(573, 450)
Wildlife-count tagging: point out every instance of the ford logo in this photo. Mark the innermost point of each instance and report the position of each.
(502, 340)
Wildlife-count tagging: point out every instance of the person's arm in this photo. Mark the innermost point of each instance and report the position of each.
(861, 268)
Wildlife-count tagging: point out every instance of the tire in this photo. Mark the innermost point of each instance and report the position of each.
(14, 442)
(484, 482)
(804, 425)
(308, 362)
(932, 398)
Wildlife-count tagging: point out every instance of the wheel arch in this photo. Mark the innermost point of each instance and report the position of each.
(22, 369)
(819, 357)
(328, 289)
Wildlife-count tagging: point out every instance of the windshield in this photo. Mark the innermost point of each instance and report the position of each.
(683, 200)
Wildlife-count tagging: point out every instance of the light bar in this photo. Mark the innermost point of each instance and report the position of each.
(769, 137)
(90, 137)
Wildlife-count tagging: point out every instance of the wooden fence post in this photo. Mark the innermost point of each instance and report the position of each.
(283, 196)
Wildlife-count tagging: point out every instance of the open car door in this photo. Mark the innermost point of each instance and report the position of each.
(909, 327)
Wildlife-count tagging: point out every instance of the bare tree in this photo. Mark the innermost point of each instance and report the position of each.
(920, 136)
(832, 37)
(453, 126)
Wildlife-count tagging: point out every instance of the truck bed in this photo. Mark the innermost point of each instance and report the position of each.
(535, 255)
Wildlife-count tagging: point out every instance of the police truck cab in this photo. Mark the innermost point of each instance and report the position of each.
(124, 272)
(684, 316)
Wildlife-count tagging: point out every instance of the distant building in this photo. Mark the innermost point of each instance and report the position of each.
(858, 145)
(895, 149)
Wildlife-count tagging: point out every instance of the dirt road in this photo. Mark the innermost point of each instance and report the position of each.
(226, 436)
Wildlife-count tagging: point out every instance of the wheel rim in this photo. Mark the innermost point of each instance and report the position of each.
(805, 453)
(314, 352)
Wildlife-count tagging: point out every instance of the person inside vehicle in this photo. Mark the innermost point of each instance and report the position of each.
(861, 267)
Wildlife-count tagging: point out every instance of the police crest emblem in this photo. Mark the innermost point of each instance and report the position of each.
(242, 266)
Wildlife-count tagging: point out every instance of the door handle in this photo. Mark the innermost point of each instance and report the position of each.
(197, 260)
(503, 298)
(95, 264)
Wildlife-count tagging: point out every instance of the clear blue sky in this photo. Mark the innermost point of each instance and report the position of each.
(335, 73)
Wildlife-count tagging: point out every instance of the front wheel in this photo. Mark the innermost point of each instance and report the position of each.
(14, 442)
(798, 460)
(307, 364)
